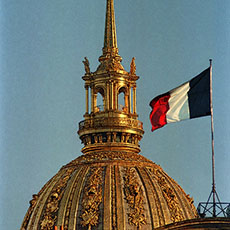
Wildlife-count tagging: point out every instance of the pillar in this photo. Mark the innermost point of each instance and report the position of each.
(107, 96)
(111, 96)
(87, 99)
(130, 100)
(126, 102)
(134, 100)
(92, 100)
(115, 97)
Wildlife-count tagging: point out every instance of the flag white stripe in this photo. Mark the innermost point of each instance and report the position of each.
(178, 104)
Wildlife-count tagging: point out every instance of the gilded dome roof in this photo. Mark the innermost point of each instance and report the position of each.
(111, 186)
(109, 190)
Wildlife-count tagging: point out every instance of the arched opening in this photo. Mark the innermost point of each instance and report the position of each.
(122, 99)
(99, 100)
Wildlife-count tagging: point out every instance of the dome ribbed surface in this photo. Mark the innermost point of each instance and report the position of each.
(109, 190)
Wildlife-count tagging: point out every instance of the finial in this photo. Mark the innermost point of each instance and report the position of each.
(210, 61)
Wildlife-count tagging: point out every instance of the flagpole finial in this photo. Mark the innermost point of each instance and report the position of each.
(210, 60)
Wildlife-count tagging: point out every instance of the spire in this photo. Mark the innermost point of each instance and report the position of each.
(110, 38)
(110, 60)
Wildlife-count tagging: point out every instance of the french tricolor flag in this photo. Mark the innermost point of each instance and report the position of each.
(190, 100)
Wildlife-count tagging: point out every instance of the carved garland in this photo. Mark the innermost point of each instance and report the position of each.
(135, 199)
(190, 200)
(92, 198)
(52, 206)
(171, 199)
(152, 172)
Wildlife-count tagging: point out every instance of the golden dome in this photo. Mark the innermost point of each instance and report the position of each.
(109, 190)
(111, 186)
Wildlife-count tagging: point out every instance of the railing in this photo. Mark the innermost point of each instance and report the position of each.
(100, 108)
(111, 122)
(222, 209)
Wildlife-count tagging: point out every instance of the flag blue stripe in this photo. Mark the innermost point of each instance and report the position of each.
(199, 95)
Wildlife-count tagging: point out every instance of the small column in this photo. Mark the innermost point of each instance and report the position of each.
(134, 100)
(88, 140)
(104, 103)
(107, 96)
(126, 103)
(114, 137)
(95, 138)
(127, 138)
(130, 100)
(108, 137)
(122, 137)
(115, 97)
(95, 103)
(133, 139)
(111, 96)
(100, 138)
(92, 100)
(86, 99)
(136, 139)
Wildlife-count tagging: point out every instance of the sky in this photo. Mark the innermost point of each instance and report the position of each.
(42, 46)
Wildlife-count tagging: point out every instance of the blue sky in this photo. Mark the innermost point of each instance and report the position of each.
(42, 45)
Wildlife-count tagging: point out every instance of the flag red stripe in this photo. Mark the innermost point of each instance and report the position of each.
(160, 106)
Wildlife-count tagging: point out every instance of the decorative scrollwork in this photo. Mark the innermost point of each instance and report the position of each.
(52, 206)
(92, 198)
(135, 198)
(110, 64)
(171, 198)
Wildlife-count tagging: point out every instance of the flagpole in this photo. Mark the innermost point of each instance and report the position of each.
(212, 136)
(218, 208)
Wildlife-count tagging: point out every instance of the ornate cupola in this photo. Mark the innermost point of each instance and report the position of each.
(111, 121)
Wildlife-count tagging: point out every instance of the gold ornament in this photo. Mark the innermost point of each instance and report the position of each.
(171, 199)
(134, 196)
(92, 198)
(50, 215)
